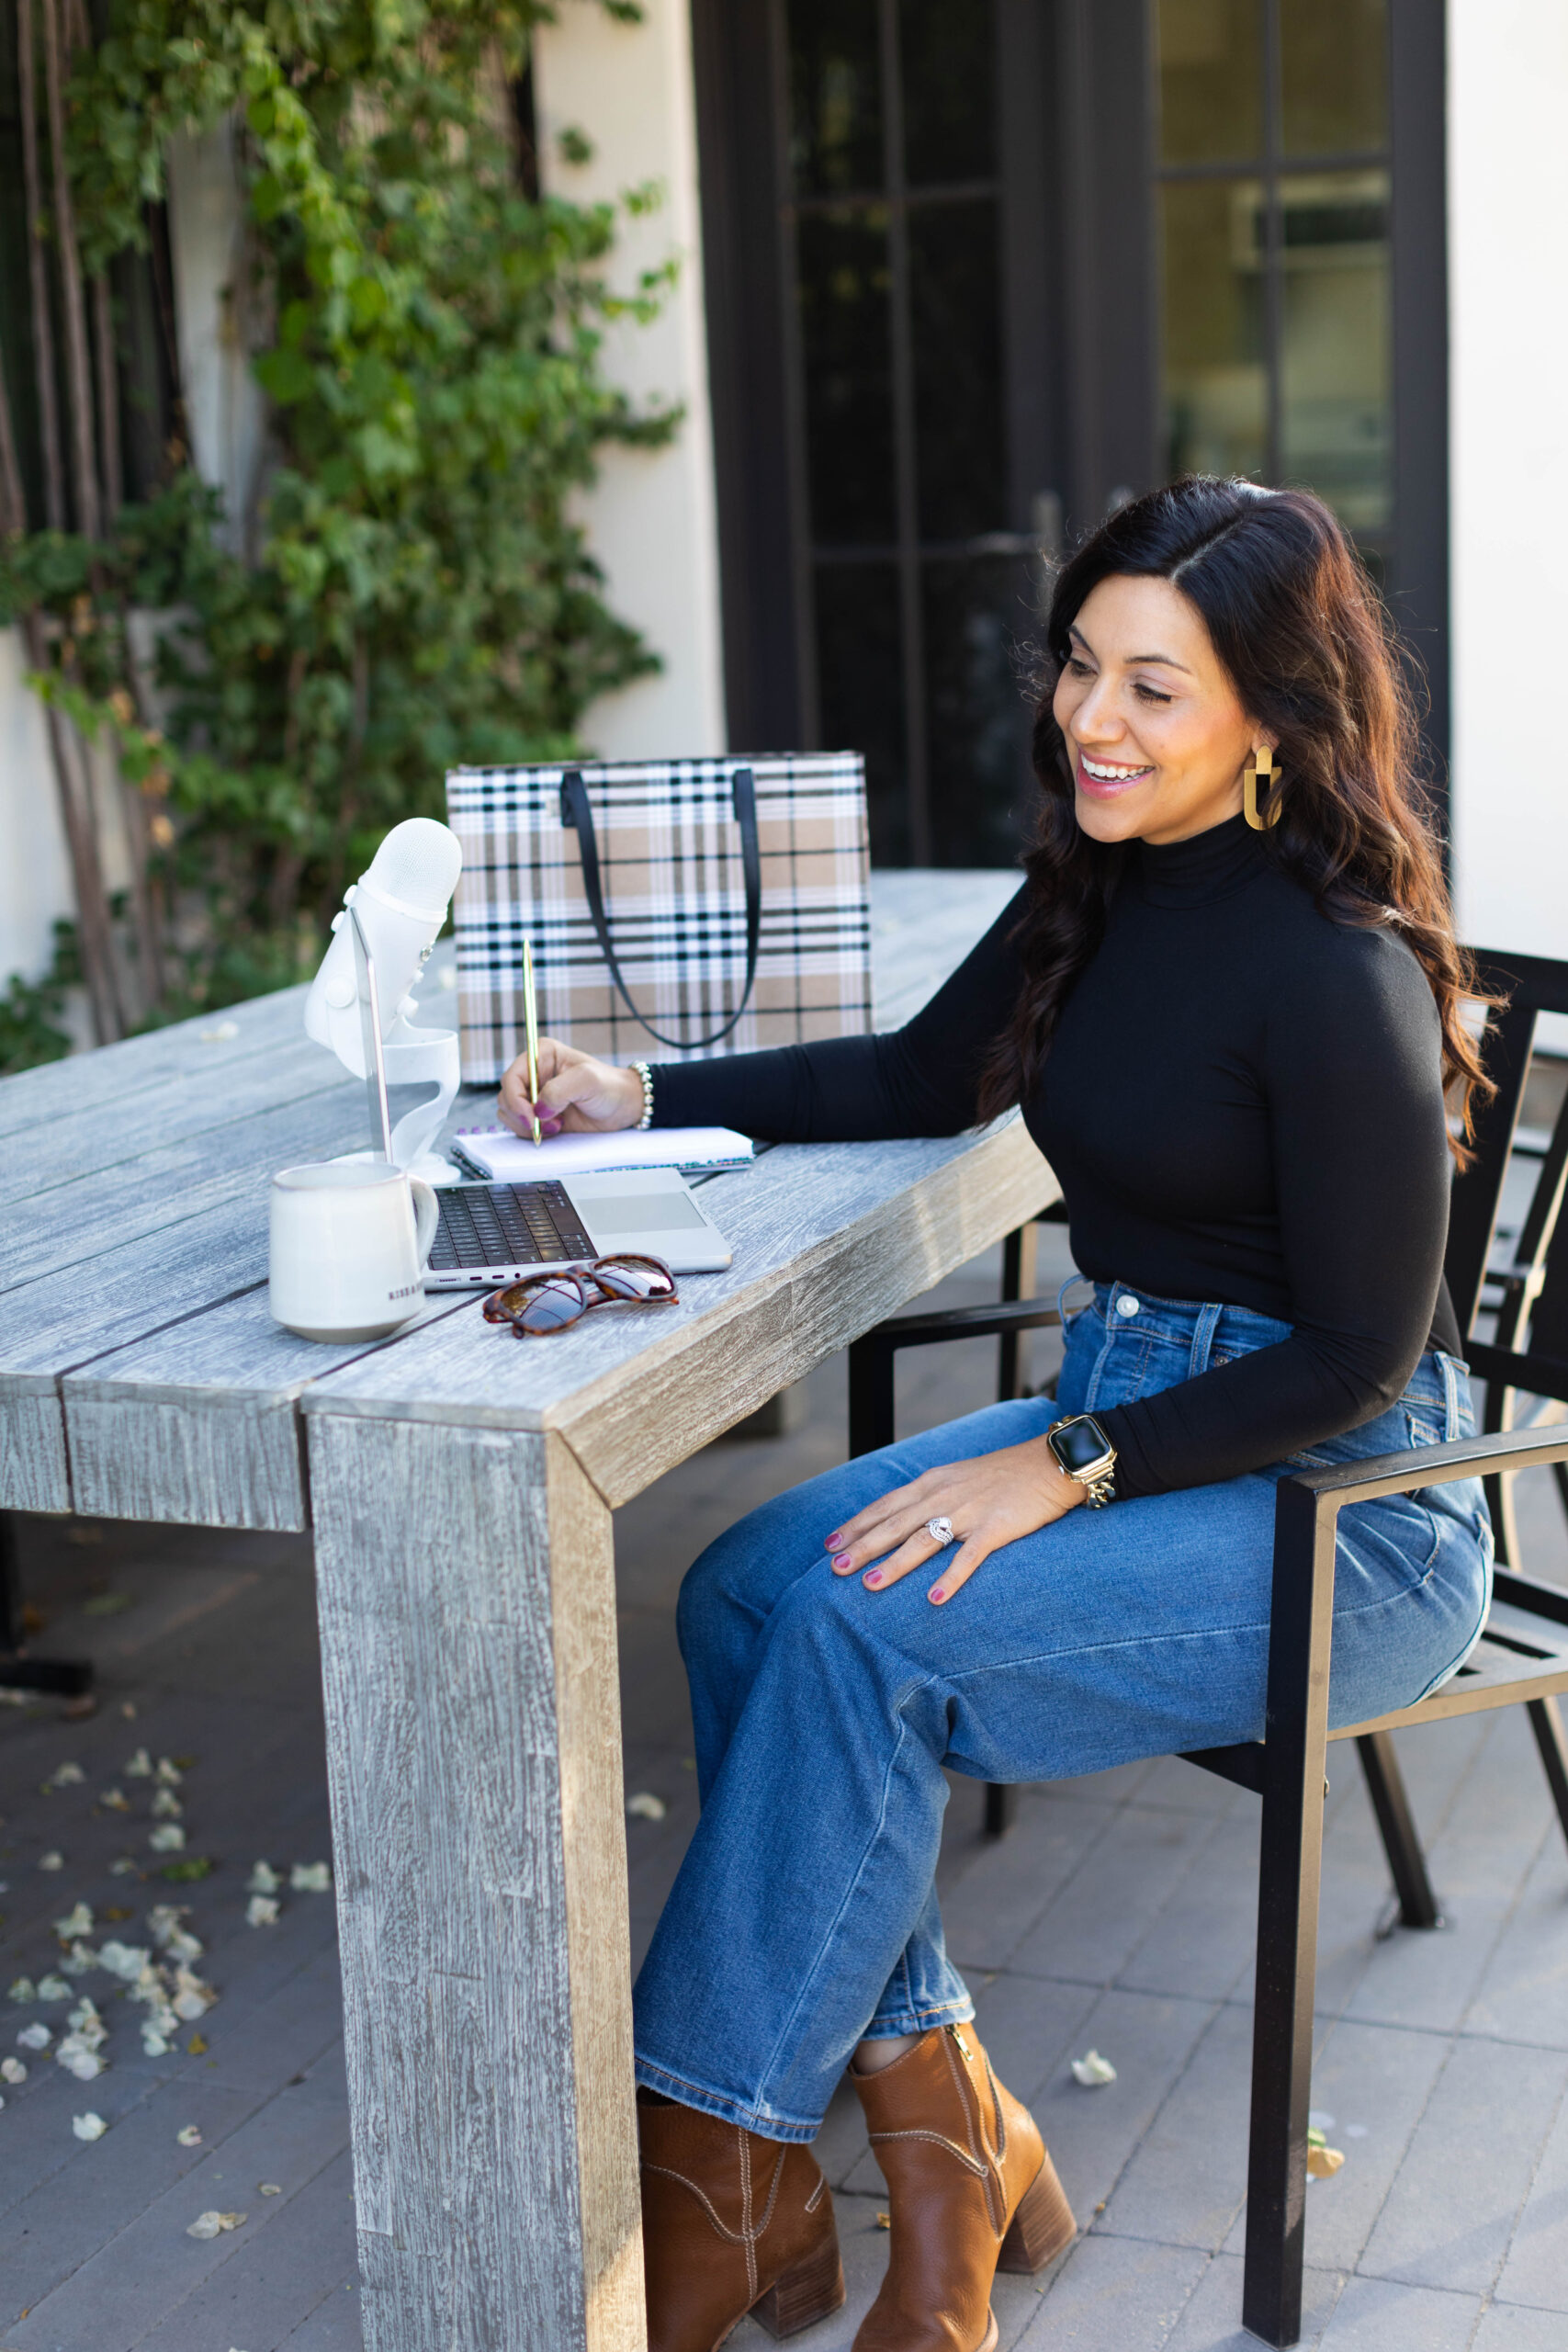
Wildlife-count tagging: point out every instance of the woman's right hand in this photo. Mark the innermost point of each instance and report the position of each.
(576, 1094)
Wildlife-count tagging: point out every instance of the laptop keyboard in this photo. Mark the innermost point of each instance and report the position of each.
(485, 1225)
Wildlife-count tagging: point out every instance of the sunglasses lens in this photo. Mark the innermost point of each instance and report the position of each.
(551, 1304)
(635, 1278)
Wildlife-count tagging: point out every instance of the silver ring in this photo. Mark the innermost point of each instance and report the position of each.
(941, 1531)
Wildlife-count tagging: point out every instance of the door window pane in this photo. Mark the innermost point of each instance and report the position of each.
(1335, 420)
(1211, 81)
(1334, 75)
(949, 73)
(1216, 377)
(975, 612)
(836, 97)
(844, 284)
(955, 336)
(860, 685)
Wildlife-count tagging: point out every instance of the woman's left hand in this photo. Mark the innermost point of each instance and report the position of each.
(992, 1500)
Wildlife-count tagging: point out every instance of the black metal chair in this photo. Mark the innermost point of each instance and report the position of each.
(1501, 1274)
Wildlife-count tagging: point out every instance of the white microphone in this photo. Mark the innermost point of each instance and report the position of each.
(401, 900)
(400, 903)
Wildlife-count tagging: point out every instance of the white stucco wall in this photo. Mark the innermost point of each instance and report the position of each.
(1508, 311)
(35, 870)
(651, 519)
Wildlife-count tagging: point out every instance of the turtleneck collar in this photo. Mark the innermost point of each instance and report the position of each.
(1205, 867)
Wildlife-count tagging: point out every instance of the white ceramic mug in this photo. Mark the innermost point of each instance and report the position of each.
(350, 1238)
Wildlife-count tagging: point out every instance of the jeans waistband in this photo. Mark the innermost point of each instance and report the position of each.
(1207, 1328)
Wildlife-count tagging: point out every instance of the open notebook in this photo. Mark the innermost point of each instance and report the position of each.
(502, 1157)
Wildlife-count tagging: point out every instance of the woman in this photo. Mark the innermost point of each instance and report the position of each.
(1227, 998)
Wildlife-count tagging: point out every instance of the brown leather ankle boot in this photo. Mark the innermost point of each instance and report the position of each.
(972, 2192)
(730, 2224)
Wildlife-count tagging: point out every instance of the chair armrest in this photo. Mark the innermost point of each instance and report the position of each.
(1429, 1465)
(872, 1356)
(959, 1323)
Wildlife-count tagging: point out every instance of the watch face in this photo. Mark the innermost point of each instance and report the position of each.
(1079, 1445)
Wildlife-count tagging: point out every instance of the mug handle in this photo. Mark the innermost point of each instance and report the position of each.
(427, 1217)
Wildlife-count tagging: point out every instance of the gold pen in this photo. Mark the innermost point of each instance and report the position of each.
(531, 1022)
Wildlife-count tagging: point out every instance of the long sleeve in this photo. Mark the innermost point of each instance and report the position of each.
(1361, 1173)
(917, 1080)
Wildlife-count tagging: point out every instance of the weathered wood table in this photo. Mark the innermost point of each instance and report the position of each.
(460, 1487)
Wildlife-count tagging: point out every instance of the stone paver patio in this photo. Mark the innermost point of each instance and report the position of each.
(1117, 1914)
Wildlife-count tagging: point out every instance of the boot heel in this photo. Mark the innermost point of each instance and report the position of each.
(804, 2295)
(1041, 2227)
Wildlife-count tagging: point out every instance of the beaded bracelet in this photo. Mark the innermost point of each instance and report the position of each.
(646, 1077)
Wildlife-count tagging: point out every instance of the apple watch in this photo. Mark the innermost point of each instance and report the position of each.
(1085, 1454)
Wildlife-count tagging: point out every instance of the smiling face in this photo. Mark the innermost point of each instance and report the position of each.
(1156, 736)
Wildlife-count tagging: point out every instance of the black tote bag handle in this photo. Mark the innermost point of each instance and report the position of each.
(576, 813)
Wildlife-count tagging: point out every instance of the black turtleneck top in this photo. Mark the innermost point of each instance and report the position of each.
(1242, 1103)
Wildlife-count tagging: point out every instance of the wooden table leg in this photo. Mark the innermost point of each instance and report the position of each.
(467, 1597)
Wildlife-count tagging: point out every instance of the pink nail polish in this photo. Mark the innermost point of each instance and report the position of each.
(841, 1559)
(875, 1577)
(834, 1539)
(936, 1594)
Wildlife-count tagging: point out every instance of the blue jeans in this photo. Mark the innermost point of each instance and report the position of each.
(805, 1914)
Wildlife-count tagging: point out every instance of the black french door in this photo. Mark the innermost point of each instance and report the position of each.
(979, 271)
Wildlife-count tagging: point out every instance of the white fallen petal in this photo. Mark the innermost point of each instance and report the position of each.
(168, 1775)
(140, 1766)
(78, 1960)
(53, 1987)
(124, 1961)
(167, 1839)
(220, 1033)
(153, 2045)
(115, 1800)
(67, 1776)
(79, 2059)
(34, 2037)
(88, 2126)
(211, 2224)
(261, 1911)
(85, 2020)
(269, 2188)
(164, 1919)
(1093, 2071)
(183, 1947)
(262, 1880)
(647, 1806)
(189, 2135)
(310, 1878)
(23, 1989)
(125, 1866)
(166, 1806)
(77, 1921)
(53, 1860)
(13, 2070)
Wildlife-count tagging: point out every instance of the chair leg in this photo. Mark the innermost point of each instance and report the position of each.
(1290, 1864)
(1001, 1807)
(1547, 1724)
(1385, 1786)
(1019, 1252)
(66, 1678)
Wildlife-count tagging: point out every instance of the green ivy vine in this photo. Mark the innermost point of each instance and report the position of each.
(419, 595)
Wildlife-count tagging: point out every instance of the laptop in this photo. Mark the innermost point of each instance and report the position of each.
(490, 1233)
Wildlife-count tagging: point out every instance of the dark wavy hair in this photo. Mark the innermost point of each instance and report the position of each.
(1300, 631)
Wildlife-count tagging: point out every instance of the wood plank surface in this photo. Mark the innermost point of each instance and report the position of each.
(197, 1425)
(116, 1074)
(434, 1576)
(827, 1239)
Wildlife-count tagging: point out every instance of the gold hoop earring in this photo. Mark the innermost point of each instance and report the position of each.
(1260, 769)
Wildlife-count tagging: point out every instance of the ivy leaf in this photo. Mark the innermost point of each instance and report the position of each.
(286, 376)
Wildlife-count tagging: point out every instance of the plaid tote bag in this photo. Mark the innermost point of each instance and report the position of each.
(673, 907)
